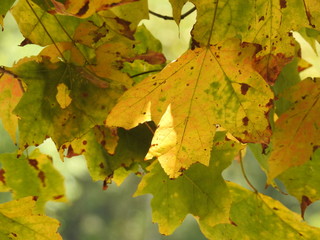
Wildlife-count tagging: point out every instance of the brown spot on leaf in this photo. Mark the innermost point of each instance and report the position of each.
(14, 234)
(261, 18)
(283, 3)
(244, 88)
(2, 177)
(84, 142)
(42, 177)
(305, 202)
(101, 165)
(35, 198)
(233, 223)
(34, 163)
(245, 121)
(83, 10)
(58, 197)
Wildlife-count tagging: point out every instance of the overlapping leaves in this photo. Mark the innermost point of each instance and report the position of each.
(203, 88)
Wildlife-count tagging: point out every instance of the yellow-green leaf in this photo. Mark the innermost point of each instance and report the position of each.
(200, 190)
(296, 133)
(19, 221)
(32, 176)
(257, 216)
(204, 87)
(27, 15)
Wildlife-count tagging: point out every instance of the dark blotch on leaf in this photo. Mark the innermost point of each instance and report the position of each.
(34, 163)
(42, 177)
(245, 121)
(101, 165)
(261, 18)
(83, 10)
(58, 197)
(244, 88)
(283, 3)
(84, 142)
(14, 234)
(2, 177)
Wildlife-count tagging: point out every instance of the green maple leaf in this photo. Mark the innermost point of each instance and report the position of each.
(204, 87)
(44, 106)
(256, 216)
(200, 190)
(18, 221)
(37, 173)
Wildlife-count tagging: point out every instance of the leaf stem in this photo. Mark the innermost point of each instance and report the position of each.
(213, 21)
(245, 175)
(171, 18)
(45, 29)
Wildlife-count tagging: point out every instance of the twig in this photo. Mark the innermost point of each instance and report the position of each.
(245, 175)
(171, 18)
(142, 73)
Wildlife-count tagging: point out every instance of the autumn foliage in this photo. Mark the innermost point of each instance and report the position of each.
(102, 88)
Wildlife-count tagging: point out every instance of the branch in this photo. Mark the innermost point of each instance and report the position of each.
(171, 18)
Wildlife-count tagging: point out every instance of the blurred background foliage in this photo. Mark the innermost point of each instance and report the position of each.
(94, 214)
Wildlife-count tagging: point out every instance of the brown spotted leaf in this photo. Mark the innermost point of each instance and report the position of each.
(204, 87)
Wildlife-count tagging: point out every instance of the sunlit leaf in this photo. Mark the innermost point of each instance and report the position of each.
(200, 190)
(296, 133)
(28, 21)
(203, 88)
(32, 176)
(256, 216)
(19, 221)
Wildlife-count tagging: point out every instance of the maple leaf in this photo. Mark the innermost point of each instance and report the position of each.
(19, 221)
(253, 215)
(200, 190)
(39, 104)
(36, 172)
(10, 94)
(27, 17)
(296, 131)
(204, 87)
